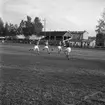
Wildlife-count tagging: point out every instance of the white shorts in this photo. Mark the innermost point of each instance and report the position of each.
(36, 47)
(46, 47)
(68, 49)
(59, 47)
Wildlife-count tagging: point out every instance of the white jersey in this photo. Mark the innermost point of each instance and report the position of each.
(46, 44)
(46, 47)
(36, 47)
(68, 49)
(2, 41)
(59, 47)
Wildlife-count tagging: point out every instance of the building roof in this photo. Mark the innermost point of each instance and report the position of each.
(20, 36)
(91, 38)
(60, 33)
(53, 33)
(1, 37)
(35, 37)
(68, 34)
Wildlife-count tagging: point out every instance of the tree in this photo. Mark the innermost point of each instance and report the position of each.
(6, 29)
(21, 27)
(37, 26)
(27, 26)
(12, 29)
(100, 39)
(100, 28)
(28, 19)
(1, 27)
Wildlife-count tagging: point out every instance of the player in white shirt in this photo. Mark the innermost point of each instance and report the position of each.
(59, 47)
(36, 47)
(3, 41)
(67, 50)
(46, 47)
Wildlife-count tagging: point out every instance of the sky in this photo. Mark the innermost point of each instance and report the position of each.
(72, 15)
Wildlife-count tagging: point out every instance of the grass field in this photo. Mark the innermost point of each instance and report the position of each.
(51, 79)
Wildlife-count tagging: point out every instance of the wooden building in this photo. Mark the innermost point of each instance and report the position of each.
(78, 37)
(53, 35)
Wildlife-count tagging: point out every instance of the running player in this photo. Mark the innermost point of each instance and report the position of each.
(46, 47)
(36, 47)
(59, 47)
(64, 44)
(67, 50)
(3, 41)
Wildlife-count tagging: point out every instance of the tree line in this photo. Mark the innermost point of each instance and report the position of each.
(27, 27)
(30, 27)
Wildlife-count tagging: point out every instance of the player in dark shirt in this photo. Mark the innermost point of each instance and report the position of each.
(68, 49)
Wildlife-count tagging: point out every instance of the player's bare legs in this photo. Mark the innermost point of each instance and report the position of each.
(67, 52)
(36, 48)
(59, 49)
(47, 47)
